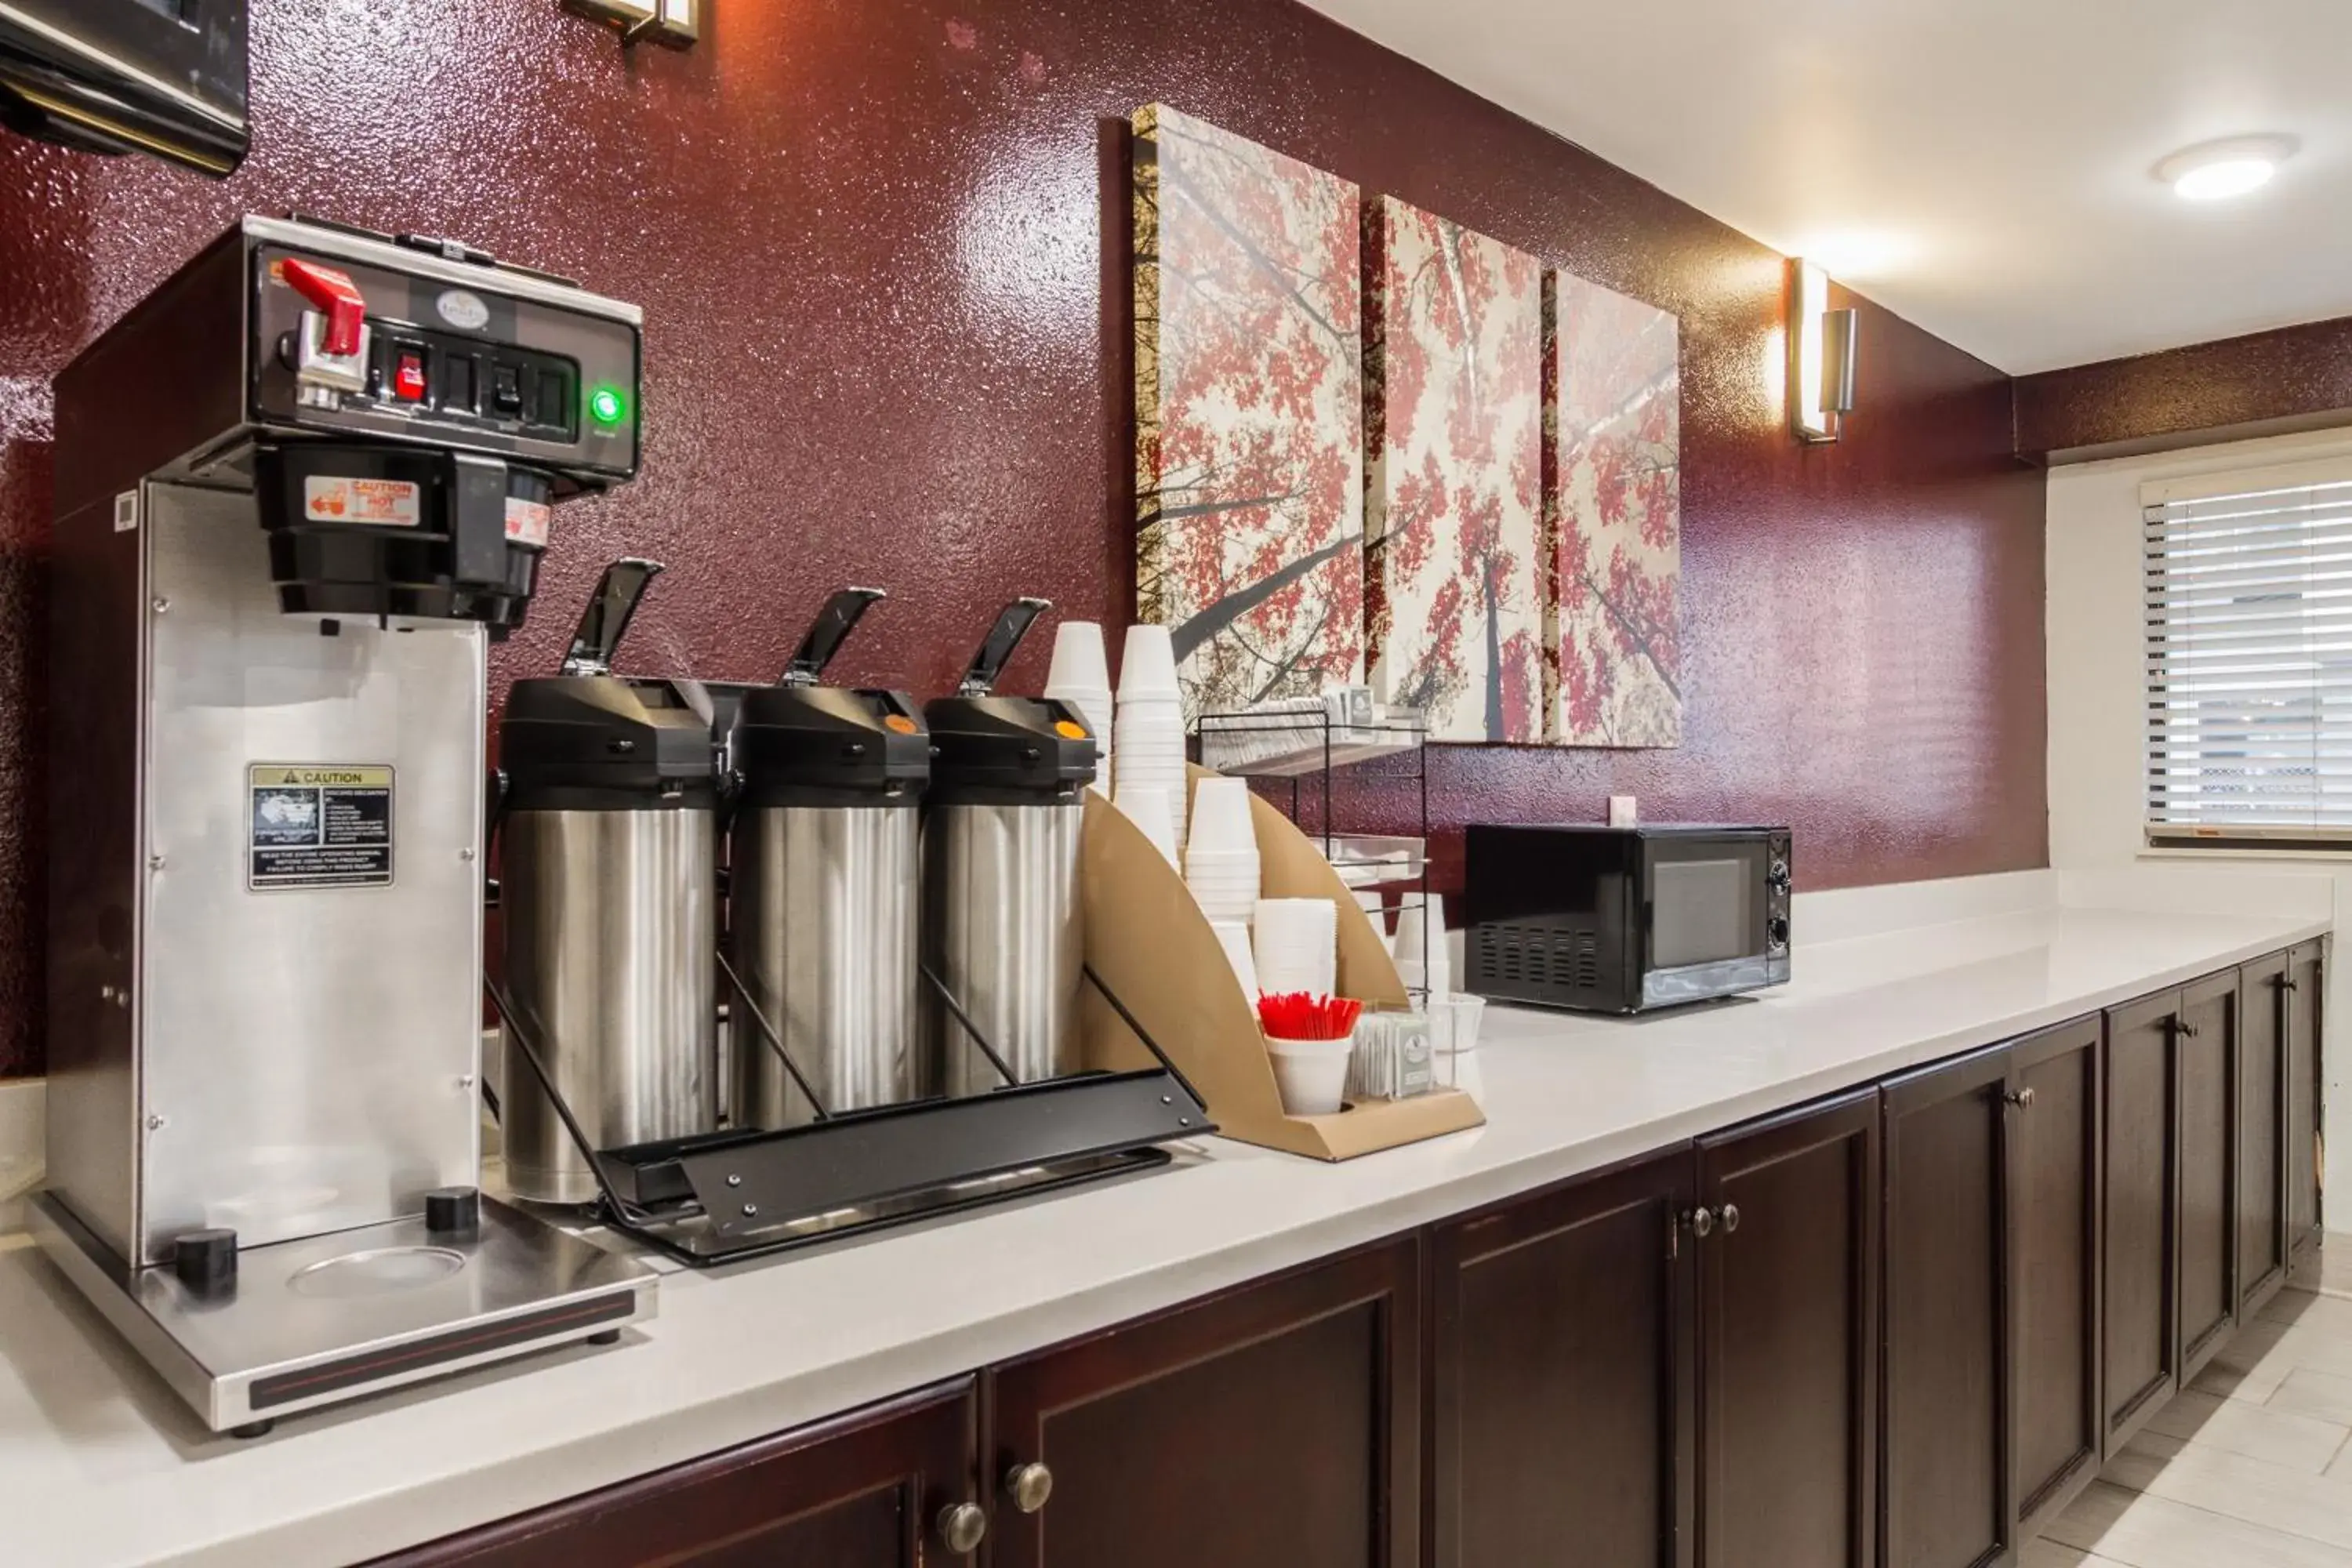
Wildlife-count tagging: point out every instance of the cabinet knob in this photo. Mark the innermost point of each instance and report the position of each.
(1702, 1222)
(962, 1527)
(2022, 1099)
(1730, 1219)
(1030, 1486)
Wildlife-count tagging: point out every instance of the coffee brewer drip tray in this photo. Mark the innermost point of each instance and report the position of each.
(322, 1319)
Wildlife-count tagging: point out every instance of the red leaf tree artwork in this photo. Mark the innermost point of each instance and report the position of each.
(1452, 516)
(1613, 508)
(1249, 414)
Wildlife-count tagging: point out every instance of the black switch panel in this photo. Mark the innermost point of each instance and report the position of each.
(515, 389)
(457, 374)
(553, 403)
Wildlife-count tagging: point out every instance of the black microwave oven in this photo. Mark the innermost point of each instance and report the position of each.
(165, 77)
(1624, 920)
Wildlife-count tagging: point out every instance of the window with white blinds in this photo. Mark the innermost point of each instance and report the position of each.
(2249, 658)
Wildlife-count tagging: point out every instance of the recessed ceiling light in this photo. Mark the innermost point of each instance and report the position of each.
(2213, 171)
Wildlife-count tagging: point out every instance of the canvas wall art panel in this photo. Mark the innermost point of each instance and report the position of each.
(1452, 510)
(1612, 506)
(1249, 413)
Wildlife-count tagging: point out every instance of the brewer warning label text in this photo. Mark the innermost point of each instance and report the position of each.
(319, 826)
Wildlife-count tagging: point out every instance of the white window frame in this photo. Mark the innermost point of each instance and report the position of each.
(2161, 608)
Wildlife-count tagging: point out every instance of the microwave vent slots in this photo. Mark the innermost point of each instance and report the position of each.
(1534, 956)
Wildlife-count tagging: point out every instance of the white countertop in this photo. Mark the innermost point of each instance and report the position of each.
(101, 1467)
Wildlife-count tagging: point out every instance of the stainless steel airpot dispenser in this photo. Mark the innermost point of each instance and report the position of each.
(609, 898)
(1001, 915)
(822, 922)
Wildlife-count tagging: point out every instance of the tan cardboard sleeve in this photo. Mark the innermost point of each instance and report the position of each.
(1150, 943)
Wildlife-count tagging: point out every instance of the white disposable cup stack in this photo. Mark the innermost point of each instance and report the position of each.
(1080, 676)
(1297, 944)
(1148, 730)
(1146, 666)
(1434, 971)
(1234, 936)
(1220, 860)
(1150, 810)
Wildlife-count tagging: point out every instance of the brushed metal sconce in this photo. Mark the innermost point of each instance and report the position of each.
(674, 24)
(1820, 356)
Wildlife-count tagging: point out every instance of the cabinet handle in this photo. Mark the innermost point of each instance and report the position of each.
(2287, 982)
(962, 1526)
(1730, 1219)
(2022, 1099)
(1702, 1222)
(2184, 1029)
(1029, 1486)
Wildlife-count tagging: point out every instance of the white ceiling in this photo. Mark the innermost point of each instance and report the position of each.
(1982, 167)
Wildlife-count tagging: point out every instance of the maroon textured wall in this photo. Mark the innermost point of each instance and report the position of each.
(880, 245)
(2266, 383)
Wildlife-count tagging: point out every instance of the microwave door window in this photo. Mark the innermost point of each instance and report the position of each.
(1703, 912)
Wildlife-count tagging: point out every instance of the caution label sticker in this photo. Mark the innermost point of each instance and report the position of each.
(527, 521)
(379, 503)
(311, 826)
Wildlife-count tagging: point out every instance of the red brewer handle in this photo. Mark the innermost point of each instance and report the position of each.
(334, 293)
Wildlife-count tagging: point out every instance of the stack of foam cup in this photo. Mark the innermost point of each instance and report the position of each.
(1148, 733)
(1080, 676)
(1295, 943)
(1151, 811)
(1234, 936)
(1424, 961)
(1221, 863)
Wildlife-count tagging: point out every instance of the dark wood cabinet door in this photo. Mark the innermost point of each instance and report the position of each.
(1562, 1383)
(866, 1490)
(2055, 1219)
(2306, 1013)
(1276, 1425)
(1945, 1415)
(2263, 1074)
(1789, 1340)
(2208, 1065)
(2138, 1154)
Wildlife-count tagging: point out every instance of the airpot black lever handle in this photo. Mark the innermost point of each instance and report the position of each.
(1013, 624)
(606, 619)
(828, 631)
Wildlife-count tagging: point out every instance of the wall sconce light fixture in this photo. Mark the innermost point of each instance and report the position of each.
(1820, 356)
(674, 24)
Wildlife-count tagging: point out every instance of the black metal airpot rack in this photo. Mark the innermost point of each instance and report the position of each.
(722, 1197)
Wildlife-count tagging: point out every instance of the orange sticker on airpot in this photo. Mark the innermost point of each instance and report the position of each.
(898, 724)
(1069, 731)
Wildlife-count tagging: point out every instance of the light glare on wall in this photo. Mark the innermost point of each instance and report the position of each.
(1820, 356)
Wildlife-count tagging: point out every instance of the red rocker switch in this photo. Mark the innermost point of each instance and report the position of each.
(334, 293)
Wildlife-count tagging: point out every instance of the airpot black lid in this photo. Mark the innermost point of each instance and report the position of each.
(1006, 750)
(589, 740)
(801, 744)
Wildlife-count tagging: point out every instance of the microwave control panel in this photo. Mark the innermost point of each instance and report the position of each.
(1779, 882)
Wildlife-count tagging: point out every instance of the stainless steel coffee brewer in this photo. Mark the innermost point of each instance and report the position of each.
(298, 488)
(607, 832)
(1000, 913)
(822, 920)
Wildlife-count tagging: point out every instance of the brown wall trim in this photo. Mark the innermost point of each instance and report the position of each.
(2268, 384)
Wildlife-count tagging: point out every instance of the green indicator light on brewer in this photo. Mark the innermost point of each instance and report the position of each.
(607, 406)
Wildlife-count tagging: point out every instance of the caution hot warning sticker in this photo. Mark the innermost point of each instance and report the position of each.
(379, 503)
(311, 826)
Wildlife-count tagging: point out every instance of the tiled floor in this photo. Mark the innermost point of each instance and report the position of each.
(2251, 1466)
